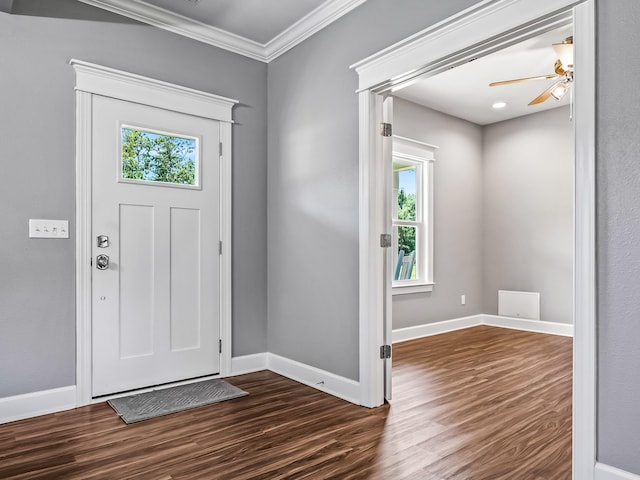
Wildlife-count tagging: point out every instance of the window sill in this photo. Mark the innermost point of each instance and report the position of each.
(412, 288)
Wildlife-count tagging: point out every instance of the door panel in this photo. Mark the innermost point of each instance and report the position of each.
(156, 307)
(185, 279)
(137, 286)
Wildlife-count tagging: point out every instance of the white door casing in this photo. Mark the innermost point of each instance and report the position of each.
(485, 27)
(93, 81)
(156, 306)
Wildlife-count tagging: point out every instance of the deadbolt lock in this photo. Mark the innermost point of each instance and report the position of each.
(103, 241)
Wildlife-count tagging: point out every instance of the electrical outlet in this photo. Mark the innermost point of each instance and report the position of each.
(39, 228)
(463, 299)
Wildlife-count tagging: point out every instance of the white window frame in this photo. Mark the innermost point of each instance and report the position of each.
(423, 156)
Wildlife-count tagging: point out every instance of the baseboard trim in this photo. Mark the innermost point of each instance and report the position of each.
(436, 328)
(606, 472)
(248, 363)
(327, 382)
(34, 404)
(537, 326)
(50, 401)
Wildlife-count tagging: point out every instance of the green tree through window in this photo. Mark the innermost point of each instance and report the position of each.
(406, 211)
(158, 158)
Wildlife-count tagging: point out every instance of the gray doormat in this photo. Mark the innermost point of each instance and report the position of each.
(175, 399)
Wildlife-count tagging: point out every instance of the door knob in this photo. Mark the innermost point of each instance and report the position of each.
(102, 262)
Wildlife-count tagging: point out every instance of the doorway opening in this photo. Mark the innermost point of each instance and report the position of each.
(477, 31)
(497, 199)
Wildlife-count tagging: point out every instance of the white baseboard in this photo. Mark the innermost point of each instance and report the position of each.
(59, 399)
(248, 363)
(35, 404)
(537, 326)
(50, 401)
(605, 472)
(436, 328)
(335, 385)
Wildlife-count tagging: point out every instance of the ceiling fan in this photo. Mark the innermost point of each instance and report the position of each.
(563, 69)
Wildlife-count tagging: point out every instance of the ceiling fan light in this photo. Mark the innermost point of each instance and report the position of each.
(499, 105)
(560, 90)
(564, 52)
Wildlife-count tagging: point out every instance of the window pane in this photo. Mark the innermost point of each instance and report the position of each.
(156, 157)
(406, 260)
(405, 188)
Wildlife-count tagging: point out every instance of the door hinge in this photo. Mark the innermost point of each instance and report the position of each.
(385, 240)
(220, 247)
(385, 351)
(385, 129)
(220, 148)
(220, 346)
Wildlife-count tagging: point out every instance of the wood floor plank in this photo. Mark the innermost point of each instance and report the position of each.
(482, 403)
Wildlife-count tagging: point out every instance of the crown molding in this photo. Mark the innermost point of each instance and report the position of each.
(187, 27)
(139, 10)
(316, 20)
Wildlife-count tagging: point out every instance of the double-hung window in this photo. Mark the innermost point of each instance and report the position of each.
(412, 215)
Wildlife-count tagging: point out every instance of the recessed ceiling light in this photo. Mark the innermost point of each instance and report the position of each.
(499, 105)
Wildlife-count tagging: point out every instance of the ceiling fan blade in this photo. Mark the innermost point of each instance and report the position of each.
(559, 68)
(544, 95)
(527, 79)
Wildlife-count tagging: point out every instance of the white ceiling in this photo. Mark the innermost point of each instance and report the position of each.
(258, 29)
(464, 91)
(257, 20)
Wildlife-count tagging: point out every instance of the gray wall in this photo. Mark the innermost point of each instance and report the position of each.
(618, 220)
(37, 135)
(313, 181)
(457, 216)
(503, 213)
(528, 211)
(6, 5)
(313, 130)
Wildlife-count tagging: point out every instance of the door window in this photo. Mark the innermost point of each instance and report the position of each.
(158, 157)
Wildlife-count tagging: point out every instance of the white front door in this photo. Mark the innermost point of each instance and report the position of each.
(156, 216)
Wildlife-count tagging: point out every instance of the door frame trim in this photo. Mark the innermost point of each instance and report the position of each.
(486, 26)
(92, 79)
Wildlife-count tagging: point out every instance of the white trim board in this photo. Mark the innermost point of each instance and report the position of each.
(35, 404)
(322, 380)
(325, 14)
(537, 326)
(437, 328)
(606, 472)
(51, 401)
(248, 364)
(131, 87)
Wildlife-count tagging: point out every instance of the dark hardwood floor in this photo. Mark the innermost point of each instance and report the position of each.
(476, 404)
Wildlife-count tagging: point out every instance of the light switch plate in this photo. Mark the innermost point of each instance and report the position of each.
(39, 228)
